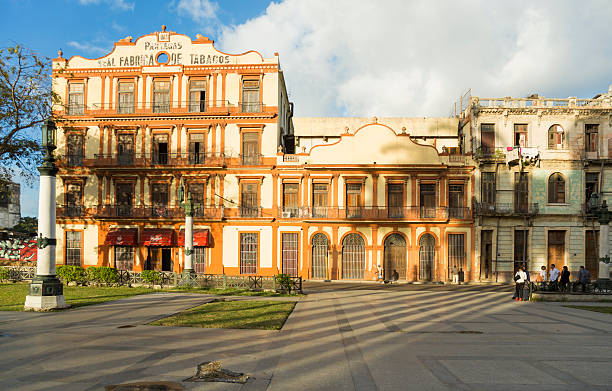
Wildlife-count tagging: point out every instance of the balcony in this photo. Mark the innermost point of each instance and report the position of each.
(70, 211)
(157, 159)
(165, 107)
(506, 209)
(382, 213)
(251, 159)
(155, 211)
(250, 211)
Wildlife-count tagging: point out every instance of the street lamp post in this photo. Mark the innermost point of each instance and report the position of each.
(188, 207)
(46, 291)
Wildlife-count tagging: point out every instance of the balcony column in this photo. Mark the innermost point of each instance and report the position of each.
(213, 199)
(46, 291)
(375, 190)
(305, 183)
(222, 126)
(275, 204)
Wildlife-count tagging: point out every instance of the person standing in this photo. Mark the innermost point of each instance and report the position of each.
(565, 279)
(520, 278)
(380, 276)
(554, 277)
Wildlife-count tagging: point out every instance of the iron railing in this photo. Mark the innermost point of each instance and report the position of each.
(375, 213)
(155, 211)
(70, 211)
(502, 208)
(163, 106)
(173, 159)
(251, 159)
(21, 273)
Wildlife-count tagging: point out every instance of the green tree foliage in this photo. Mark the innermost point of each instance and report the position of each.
(27, 225)
(26, 100)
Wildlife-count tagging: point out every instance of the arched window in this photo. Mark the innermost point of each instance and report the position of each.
(353, 256)
(556, 137)
(556, 189)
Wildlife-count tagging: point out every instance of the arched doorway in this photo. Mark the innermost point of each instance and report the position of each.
(395, 256)
(319, 256)
(427, 255)
(353, 257)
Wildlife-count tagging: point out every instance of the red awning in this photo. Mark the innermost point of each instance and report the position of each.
(156, 237)
(122, 237)
(201, 237)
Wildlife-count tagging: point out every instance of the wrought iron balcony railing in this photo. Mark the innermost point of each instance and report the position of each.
(413, 213)
(508, 209)
(153, 159)
(155, 211)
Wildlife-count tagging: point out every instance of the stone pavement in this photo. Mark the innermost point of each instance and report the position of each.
(336, 339)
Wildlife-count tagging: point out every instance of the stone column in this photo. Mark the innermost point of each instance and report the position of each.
(604, 242)
(188, 267)
(46, 291)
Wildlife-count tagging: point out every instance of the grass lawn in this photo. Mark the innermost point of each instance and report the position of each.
(243, 314)
(605, 310)
(12, 296)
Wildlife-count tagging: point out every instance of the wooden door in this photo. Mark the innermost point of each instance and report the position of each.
(556, 248)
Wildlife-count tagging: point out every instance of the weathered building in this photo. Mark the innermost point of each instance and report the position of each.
(10, 206)
(538, 162)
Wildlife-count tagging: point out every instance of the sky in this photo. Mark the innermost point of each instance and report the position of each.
(408, 58)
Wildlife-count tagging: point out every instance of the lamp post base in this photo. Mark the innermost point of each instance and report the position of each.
(45, 293)
(188, 272)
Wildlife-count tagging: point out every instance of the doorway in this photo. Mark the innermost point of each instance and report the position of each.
(319, 256)
(556, 248)
(486, 254)
(427, 254)
(395, 257)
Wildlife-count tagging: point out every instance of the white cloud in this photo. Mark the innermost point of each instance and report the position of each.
(198, 10)
(118, 4)
(415, 58)
(88, 47)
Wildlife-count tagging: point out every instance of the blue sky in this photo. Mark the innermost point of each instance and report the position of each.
(408, 58)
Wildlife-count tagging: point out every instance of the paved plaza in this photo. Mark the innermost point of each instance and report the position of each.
(339, 337)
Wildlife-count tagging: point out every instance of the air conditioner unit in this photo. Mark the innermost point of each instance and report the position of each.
(286, 215)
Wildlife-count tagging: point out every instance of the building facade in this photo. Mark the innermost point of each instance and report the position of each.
(539, 161)
(323, 198)
(10, 205)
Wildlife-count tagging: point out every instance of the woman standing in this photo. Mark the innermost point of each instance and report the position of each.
(565, 279)
(520, 277)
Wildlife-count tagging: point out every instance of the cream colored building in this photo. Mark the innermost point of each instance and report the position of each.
(326, 198)
(538, 162)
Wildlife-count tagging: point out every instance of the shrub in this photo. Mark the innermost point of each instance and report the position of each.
(68, 273)
(103, 274)
(285, 281)
(151, 276)
(4, 274)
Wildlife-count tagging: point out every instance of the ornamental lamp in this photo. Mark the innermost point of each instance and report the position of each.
(48, 134)
(181, 192)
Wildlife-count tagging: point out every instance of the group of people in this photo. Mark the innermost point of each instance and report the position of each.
(555, 278)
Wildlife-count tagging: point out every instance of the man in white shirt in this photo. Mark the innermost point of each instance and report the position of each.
(554, 276)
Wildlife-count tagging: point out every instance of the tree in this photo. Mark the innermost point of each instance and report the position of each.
(27, 225)
(26, 100)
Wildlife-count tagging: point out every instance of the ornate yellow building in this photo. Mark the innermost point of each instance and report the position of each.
(326, 198)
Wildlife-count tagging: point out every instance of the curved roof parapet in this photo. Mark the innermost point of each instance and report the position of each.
(178, 48)
(374, 143)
